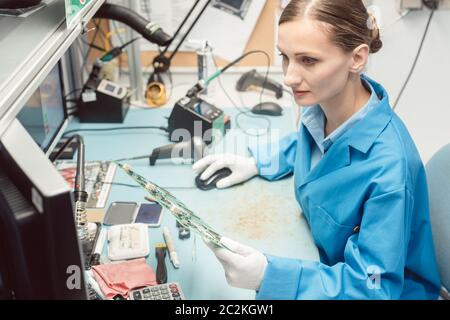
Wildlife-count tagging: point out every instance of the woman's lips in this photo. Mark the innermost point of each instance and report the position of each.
(300, 93)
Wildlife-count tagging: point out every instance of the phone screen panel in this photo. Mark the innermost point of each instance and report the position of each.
(120, 213)
(149, 213)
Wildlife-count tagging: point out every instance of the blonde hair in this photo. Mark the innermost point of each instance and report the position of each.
(347, 21)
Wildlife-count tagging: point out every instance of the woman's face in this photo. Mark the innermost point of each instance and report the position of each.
(314, 68)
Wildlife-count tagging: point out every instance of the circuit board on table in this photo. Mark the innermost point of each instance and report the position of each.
(184, 216)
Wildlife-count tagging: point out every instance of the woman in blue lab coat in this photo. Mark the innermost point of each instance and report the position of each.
(358, 176)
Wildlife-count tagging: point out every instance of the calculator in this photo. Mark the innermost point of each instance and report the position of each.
(166, 291)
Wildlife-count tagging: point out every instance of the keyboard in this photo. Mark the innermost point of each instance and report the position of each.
(166, 291)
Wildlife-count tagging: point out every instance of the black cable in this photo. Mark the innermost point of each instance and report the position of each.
(86, 56)
(136, 186)
(63, 147)
(123, 46)
(242, 110)
(219, 79)
(150, 31)
(415, 61)
(189, 29)
(126, 44)
(121, 184)
(132, 158)
(161, 58)
(115, 128)
(182, 24)
(235, 61)
(73, 109)
(116, 51)
(73, 91)
(94, 46)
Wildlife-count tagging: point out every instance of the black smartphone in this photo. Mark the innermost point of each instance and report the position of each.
(120, 213)
(149, 214)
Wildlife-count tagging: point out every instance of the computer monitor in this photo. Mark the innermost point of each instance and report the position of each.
(44, 115)
(40, 255)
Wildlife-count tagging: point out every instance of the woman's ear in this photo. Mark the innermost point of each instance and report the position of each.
(360, 56)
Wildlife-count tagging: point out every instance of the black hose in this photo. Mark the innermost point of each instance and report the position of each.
(150, 31)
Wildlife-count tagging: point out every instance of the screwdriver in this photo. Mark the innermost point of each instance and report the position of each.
(161, 270)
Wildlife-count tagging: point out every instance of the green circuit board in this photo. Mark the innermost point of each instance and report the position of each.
(184, 216)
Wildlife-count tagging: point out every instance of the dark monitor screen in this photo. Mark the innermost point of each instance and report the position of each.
(237, 4)
(40, 255)
(44, 113)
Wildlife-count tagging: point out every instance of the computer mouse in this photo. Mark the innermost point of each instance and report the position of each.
(210, 183)
(268, 109)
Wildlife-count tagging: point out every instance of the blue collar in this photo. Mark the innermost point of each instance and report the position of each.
(366, 131)
(313, 119)
(361, 137)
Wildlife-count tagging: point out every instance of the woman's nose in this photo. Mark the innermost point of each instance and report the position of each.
(292, 77)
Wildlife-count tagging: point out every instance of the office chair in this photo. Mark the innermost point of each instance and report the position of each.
(438, 176)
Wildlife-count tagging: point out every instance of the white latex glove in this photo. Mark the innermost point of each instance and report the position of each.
(244, 267)
(243, 168)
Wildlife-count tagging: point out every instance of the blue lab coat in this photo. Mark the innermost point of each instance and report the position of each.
(366, 202)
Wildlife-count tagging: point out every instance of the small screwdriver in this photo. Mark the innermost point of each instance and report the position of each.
(161, 270)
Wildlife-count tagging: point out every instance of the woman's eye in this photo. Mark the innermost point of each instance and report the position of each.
(308, 61)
